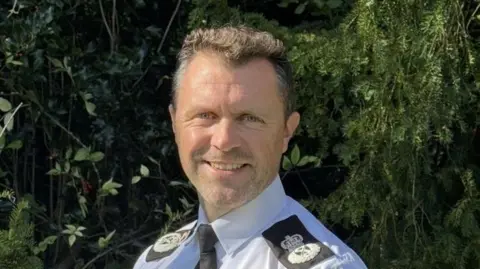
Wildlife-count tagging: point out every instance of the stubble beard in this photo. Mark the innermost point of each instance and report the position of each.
(223, 199)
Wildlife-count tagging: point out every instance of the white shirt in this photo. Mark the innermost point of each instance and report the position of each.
(265, 233)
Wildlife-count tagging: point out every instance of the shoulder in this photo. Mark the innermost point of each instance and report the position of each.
(301, 241)
(164, 246)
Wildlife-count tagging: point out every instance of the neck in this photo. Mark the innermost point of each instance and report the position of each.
(214, 212)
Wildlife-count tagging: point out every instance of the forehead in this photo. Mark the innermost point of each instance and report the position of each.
(208, 80)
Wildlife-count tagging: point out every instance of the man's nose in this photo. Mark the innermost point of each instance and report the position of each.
(225, 136)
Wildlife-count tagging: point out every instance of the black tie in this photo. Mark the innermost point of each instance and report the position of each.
(207, 239)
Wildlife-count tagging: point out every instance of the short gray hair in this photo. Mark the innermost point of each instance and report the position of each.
(237, 46)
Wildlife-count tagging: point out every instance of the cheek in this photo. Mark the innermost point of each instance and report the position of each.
(266, 146)
(191, 140)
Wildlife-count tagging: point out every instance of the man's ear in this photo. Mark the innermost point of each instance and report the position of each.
(292, 124)
(171, 109)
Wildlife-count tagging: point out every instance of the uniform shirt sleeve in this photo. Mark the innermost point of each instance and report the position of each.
(141, 261)
(345, 257)
(342, 262)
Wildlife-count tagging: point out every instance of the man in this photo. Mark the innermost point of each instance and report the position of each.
(232, 116)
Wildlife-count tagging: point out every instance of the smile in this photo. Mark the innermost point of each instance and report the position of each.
(225, 166)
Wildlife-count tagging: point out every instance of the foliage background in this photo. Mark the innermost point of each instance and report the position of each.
(387, 154)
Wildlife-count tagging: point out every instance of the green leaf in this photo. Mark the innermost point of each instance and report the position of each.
(81, 154)
(71, 240)
(307, 159)
(139, 3)
(90, 107)
(178, 183)
(96, 156)
(82, 199)
(319, 3)
(87, 96)
(76, 172)
(110, 235)
(71, 227)
(153, 160)
(286, 164)
(154, 30)
(65, 62)
(103, 242)
(184, 202)
(5, 105)
(68, 153)
(113, 192)
(56, 62)
(2, 140)
(334, 3)
(110, 187)
(58, 167)
(301, 8)
(42, 246)
(17, 144)
(67, 167)
(295, 155)
(283, 4)
(53, 172)
(168, 210)
(39, 59)
(136, 179)
(144, 171)
(8, 120)
(15, 62)
(116, 185)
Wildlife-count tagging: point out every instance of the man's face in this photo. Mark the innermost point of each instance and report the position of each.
(230, 129)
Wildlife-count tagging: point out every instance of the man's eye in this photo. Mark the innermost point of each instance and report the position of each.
(250, 118)
(205, 116)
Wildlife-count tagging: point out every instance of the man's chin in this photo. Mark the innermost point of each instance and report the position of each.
(226, 201)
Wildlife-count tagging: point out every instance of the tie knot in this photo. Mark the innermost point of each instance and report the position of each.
(206, 238)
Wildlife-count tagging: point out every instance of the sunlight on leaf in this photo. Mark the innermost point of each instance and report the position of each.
(81, 154)
(8, 120)
(301, 8)
(286, 164)
(90, 107)
(295, 155)
(5, 105)
(53, 172)
(71, 240)
(144, 171)
(56, 62)
(17, 144)
(136, 179)
(96, 156)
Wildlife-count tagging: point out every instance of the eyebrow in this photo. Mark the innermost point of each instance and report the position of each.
(199, 107)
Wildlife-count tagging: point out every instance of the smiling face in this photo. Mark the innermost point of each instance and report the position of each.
(230, 130)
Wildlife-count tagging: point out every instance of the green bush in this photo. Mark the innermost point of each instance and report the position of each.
(87, 78)
(17, 247)
(387, 90)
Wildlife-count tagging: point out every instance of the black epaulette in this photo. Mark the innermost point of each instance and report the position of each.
(294, 246)
(167, 244)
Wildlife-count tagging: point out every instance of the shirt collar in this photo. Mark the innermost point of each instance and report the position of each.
(236, 227)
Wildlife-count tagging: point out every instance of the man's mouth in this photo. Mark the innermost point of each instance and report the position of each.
(226, 166)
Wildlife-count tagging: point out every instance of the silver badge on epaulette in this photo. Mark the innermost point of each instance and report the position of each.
(298, 251)
(169, 242)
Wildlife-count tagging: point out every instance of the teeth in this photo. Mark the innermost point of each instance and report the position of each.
(227, 167)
